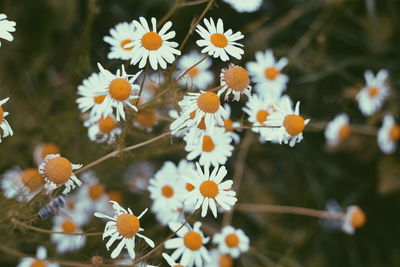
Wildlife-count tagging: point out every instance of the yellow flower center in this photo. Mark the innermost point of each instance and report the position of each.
(99, 99)
(189, 187)
(38, 263)
(120, 89)
(125, 42)
(152, 41)
(262, 115)
(358, 218)
(271, 73)
(1, 114)
(344, 132)
(373, 92)
(147, 118)
(232, 240)
(208, 102)
(209, 189)
(228, 124)
(193, 241)
(219, 40)
(193, 72)
(107, 124)
(208, 144)
(237, 78)
(395, 133)
(58, 170)
(96, 191)
(32, 179)
(167, 191)
(49, 149)
(225, 261)
(294, 124)
(127, 225)
(69, 226)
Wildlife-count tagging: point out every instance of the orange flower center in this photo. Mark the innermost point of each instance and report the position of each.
(262, 115)
(167, 191)
(125, 42)
(358, 218)
(96, 191)
(208, 144)
(193, 72)
(232, 240)
(225, 261)
(115, 196)
(271, 73)
(219, 40)
(107, 124)
(58, 170)
(49, 149)
(1, 114)
(344, 132)
(189, 187)
(69, 226)
(228, 124)
(38, 263)
(395, 133)
(99, 99)
(294, 124)
(373, 92)
(237, 78)
(32, 179)
(120, 89)
(152, 41)
(127, 225)
(193, 241)
(147, 118)
(208, 102)
(209, 189)
(202, 124)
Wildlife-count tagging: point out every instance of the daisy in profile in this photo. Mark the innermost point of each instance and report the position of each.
(124, 226)
(64, 242)
(104, 130)
(354, 218)
(338, 129)
(189, 245)
(58, 171)
(39, 261)
(235, 80)
(6, 26)
(121, 35)
(230, 125)
(219, 259)
(388, 135)
(231, 241)
(244, 6)
(43, 149)
(217, 42)
(146, 119)
(209, 190)
(119, 91)
(198, 77)
(92, 195)
(213, 149)
(195, 107)
(21, 184)
(289, 123)
(371, 97)
(267, 74)
(4, 125)
(153, 46)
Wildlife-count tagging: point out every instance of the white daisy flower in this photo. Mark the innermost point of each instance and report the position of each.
(104, 129)
(231, 241)
(230, 125)
(5, 128)
(146, 119)
(338, 129)
(209, 190)
(120, 92)
(244, 6)
(388, 135)
(152, 45)
(189, 245)
(121, 35)
(290, 124)
(198, 77)
(6, 26)
(58, 171)
(235, 80)
(266, 72)
(39, 261)
(217, 42)
(67, 243)
(371, 97)
(123, 226)
(354, 218)
(219, 259)
(76, 210)
(92, 195)
(21, 184)
(42, 150)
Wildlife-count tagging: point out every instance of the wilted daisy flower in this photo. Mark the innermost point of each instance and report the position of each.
(103, 130)
(371, 97)
(235, 80)
(146, 119)
(4, 125)
(219, 259)
(42, 150)
(290, 124)
(6, 26)
(58, 171)
(153, 46)
(64, 242)
(230, 125)
(123, 226)
(22, 184)
(217, 42)
(39, 261)
(120, 91)
(189, 244)
(121, 35)
(266, 72)
(198, 77)
(354, 218)
(92, 195)
(209, 190)
(244, 6)
(388, 135)
(231, 241)
(338, 129)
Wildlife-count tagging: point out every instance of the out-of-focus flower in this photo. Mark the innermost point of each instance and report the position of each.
(231, 241)
(103, 130)
(244, 6)
(388, 135)
(338, 129)
(22, 184)
(217, 42)
(218, 259)
(146, 119)
(354, 218)
(230, 125)
(138, 175)
(6, 26)
(39, 261)
(235, 80)
(4, 125)
(121, 35)
(67, 243)
(42, 150)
